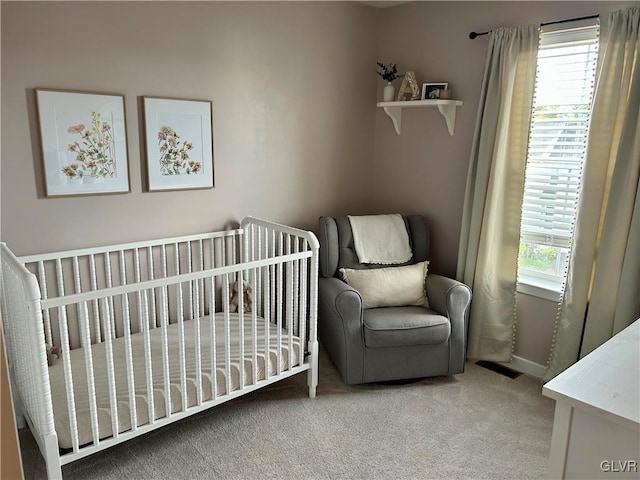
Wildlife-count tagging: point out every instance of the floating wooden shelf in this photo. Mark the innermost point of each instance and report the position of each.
(446, 107)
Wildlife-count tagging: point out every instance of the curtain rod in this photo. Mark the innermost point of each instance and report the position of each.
(473, 35)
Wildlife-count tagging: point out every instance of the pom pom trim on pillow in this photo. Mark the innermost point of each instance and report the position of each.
(390, 286)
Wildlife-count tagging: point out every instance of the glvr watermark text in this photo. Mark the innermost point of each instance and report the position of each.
(619, 466)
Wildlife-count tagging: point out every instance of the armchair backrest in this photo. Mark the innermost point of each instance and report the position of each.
(337, 249)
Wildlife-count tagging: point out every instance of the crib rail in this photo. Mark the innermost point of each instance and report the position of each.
(93, 269)
(25, 342)
(264, 239)
(149, 329)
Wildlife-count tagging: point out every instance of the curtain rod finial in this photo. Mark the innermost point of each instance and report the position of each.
(473, 35)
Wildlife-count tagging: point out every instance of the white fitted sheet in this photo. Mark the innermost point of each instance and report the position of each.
(80, 384)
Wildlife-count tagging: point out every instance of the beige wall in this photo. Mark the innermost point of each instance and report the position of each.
(424, 170)
(292, 86)
(534, 328)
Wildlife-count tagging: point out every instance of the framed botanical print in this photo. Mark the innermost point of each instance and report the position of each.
(84, 143)
(179, 143)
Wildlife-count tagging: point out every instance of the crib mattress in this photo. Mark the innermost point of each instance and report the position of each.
(80, 384)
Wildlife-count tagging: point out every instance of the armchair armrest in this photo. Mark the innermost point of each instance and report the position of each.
(451, 299)
(447, 296)
(340, 326)
(342, 299)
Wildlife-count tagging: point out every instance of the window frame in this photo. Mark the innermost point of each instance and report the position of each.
(531, 281)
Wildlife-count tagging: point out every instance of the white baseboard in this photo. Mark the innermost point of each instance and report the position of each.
(525, 366)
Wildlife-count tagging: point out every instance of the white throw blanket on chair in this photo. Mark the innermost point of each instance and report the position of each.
(381, 239)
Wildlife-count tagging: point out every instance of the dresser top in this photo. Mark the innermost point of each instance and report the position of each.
(605, 382)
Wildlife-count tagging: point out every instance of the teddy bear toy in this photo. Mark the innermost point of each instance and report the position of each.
(247, 294)
(53, 353)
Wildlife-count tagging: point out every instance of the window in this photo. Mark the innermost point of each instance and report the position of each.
(557, 143)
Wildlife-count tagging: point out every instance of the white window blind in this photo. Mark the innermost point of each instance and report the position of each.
(557, 143)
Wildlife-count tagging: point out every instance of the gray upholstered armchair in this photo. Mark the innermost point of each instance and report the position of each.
(389, 343)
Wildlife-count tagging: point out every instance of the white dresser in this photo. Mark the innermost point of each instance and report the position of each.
(596, 429)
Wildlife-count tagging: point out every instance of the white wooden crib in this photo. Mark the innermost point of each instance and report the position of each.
(146, 332)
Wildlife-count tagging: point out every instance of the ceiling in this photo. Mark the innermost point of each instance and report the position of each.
(383, 3)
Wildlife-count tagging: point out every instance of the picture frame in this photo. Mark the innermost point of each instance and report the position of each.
(432, 91)
(178, 143)
(83, 142)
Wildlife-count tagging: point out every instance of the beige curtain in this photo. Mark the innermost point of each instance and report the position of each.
(602, 294)
(488, 253)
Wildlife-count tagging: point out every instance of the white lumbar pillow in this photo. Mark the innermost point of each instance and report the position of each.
(390, 286)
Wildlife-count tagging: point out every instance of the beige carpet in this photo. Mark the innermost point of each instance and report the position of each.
(478, 424)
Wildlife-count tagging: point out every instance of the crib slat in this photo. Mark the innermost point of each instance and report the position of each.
(258, 286)
(272, 290)
(252, 243)
(147, 355)
(183, 369)
(223, 251)
(164, 261)
(142, 296)
(109, 281)
(212, 327)
(201, 282)
(289, 314)
(77, 286)
(96, 307)
(243, 238)
(279, 308)
(60, 283)
(227, 335)
(312, 377)
(137, 276)
(267, 323)
(241, 330)
(85, 336)
(143, 326)
(233, 251)
(60, 277)
(164, 323)
(212, 333)
(303, 306)
(296, 290)
(42, 281)
(189, 285)
(111, 378)
(126, 319)
(197, 345)
(68, 376)
(76, 275)
(164, 289)
(254, 330)
(150, 267)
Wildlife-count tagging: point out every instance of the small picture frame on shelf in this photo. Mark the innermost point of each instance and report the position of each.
(433, 91)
